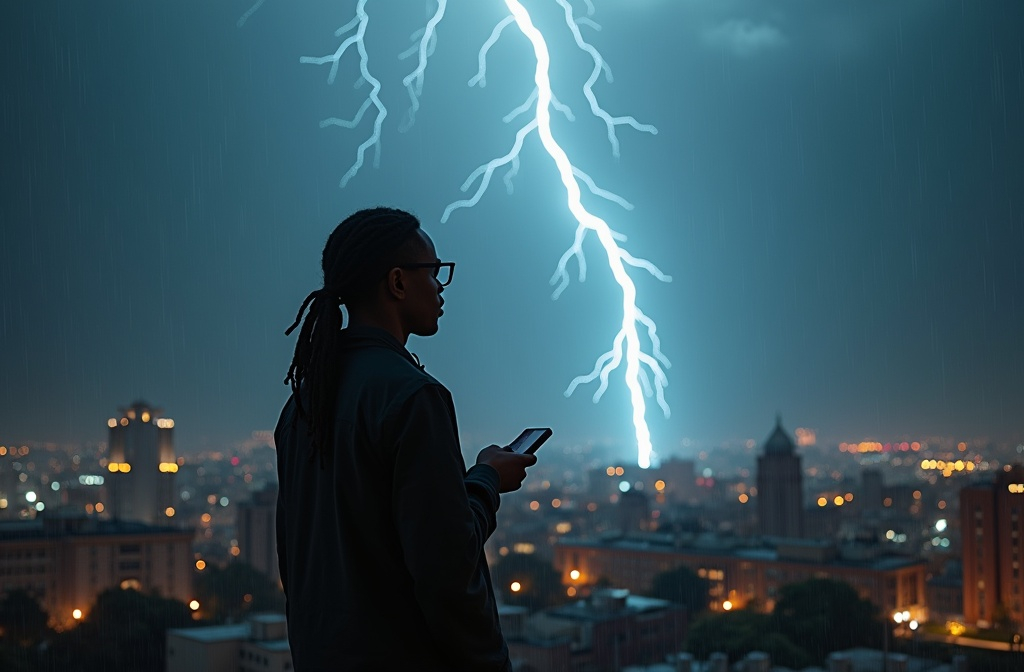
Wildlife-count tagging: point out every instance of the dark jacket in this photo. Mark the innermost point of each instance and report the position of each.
(381, 550)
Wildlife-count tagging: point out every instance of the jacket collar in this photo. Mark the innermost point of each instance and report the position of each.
(375, 337)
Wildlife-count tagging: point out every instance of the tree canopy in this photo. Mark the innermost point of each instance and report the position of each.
(810, 620)
(540, 584)
(124, 630)
(22, 620)
(826, 615)
(229, 593)
(682, 586)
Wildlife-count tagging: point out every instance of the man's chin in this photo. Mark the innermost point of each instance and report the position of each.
(429, 330)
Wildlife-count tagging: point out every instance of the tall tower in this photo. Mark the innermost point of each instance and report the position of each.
(141, 465)
(873, 486)
(780, 487)
(990, 529)
(257, 532)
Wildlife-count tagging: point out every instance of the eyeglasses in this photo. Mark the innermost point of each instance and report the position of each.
(444, 271)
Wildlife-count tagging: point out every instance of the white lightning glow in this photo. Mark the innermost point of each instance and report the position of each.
(373, 98)
(414, 81)
(644, 371)
(627, 341)
(588, 89)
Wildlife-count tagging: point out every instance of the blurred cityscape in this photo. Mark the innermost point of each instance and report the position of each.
(908, 551)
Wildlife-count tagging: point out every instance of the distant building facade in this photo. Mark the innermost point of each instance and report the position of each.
(142, 465)
(257, 532)
(780, 508)
(67, 562)
(742, 575)
(610, 630)
(873, 487)
(990, 528)
(258, 645)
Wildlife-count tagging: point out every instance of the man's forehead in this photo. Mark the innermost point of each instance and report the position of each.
(429, 252)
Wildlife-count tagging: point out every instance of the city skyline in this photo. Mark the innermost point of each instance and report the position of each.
(833, 190)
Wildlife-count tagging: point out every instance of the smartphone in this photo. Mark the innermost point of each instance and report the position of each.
(530, 440)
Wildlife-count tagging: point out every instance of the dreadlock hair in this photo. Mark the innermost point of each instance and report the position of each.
(358, 252)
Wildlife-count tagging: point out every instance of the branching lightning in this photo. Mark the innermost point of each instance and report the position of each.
(644, 370)
(358, 23)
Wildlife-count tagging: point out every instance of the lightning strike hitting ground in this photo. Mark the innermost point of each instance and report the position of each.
(644, 371)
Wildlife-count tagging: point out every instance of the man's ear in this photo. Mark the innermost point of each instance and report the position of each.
(396, 283)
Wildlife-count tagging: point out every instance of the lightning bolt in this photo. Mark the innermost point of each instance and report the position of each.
(644, 370)
(626, 344)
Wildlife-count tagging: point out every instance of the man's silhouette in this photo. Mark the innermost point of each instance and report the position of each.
(380, 527)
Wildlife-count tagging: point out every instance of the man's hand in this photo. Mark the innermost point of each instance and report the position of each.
(511, 467)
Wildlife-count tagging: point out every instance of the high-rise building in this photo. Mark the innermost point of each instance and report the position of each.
(257, 532)
(142, 465)
(872, 486)
(779, 487)
(990, 529)
(634, 511)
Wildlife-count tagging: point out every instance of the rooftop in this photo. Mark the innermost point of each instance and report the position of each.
(764, 554)
(46, 528)
(213, 633)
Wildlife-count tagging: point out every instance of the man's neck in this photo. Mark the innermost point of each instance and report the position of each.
(389, 323)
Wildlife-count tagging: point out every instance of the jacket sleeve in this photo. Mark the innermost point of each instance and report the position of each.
(280, 434)
(444, 515)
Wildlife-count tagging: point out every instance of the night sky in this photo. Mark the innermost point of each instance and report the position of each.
(836, 188)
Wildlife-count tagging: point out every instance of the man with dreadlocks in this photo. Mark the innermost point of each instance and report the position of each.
(380, 527)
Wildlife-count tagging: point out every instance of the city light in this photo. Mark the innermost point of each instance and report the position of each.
(194, 605)
(727, 605)
(574, 574)
(515, 587)
(76, 614)
(200, 565)
(30, 496)
(169, 511)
